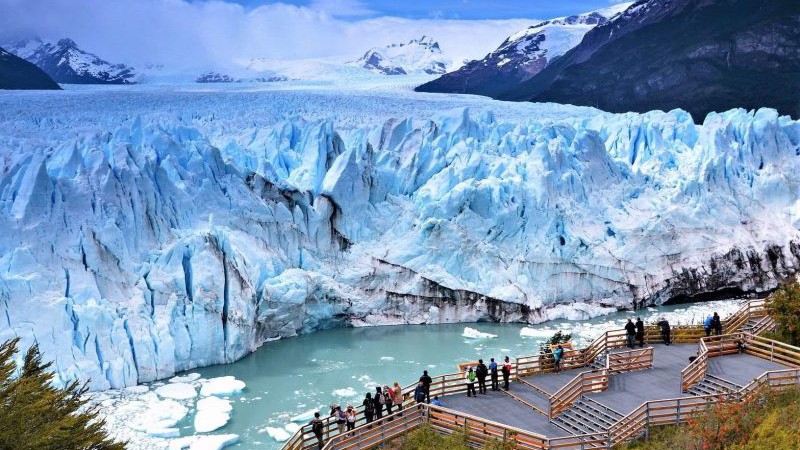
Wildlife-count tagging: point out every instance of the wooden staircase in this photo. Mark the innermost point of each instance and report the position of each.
(711, 385)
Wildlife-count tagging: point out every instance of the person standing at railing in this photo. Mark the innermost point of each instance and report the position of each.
(369, 408)
(558, 354)
(378, 402)
(317, 427)
(341, 419)
(665, 331)
(350, 416)
(482, 372)
(716, 324)
(707, 325)
(471, 377)
(426, 382)
(630, 332)
(506, 372)
(388, 399)
(493, 373)
(640, 331)
(420, 392)
(398, 395)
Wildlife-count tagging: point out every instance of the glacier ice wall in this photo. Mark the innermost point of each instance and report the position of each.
(161, 245)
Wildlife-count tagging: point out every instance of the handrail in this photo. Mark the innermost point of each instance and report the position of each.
(577, 387)
(630, 360)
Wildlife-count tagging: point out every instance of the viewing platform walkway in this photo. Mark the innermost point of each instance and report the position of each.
(606, 395)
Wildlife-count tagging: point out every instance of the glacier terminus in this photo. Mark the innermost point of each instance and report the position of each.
(155, 230)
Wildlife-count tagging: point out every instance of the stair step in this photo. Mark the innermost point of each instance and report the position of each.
(586, 424)
(615, 415)
(594, 413)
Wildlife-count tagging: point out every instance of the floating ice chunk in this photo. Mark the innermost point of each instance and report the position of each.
(177, 391)
(304, 417)
(222, 386)
(292, 427)
(214, 404)
(472, 333)
(535, 333)
(188, 378)
(140, 389)
(159, 415)
(346, 392)
(214, 442)
(164, 432)
(387, 358)
(212, 413)
(278, 434)
(208, 420)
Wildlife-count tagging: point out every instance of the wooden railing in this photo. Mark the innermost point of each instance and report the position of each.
(696, 370)
(581, 384)
(679, 410)
(772, 350)
(630, 360)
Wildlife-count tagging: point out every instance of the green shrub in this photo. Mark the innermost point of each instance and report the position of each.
(34, 415)
(784, 306)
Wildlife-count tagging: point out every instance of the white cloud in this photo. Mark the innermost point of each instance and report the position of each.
(215, 33)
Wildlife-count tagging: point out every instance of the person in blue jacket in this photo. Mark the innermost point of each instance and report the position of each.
(707, 325)
(493, 373)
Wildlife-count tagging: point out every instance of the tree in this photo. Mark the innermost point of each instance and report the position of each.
(784, 306)
(35, 415)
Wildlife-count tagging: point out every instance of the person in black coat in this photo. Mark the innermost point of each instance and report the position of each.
(369, 408)
(482, 372)
(630, 330)
(640, 331)
(426, 383)
(377, 402)
(665, 330)
(716, 324)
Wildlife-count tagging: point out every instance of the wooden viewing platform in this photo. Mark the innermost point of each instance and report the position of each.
(605, 395)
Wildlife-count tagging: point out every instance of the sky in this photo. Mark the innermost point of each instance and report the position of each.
(218, 33)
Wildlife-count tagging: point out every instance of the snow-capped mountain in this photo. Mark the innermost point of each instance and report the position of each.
(697, 55)
(522, 55)
(416, 56)
(141, 241)
(16, 73)
(214, 77)
(67, 63)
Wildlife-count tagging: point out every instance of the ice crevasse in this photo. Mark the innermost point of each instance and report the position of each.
(133, 254)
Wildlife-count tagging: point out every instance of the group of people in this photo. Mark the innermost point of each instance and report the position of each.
(713, 324)
(634, 332)
(481, 371)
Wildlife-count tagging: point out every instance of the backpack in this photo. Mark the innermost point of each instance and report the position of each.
(316, 426)
(387, 396)
(472, 376)
(381, 399)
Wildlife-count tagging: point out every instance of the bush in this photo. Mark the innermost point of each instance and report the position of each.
(784, 306)
(426, 438)
(34, 415)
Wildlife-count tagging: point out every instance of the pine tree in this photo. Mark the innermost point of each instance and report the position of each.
(35, 415)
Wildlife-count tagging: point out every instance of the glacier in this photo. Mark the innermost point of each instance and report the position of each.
(154, 230)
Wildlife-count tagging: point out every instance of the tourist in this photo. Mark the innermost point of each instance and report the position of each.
(557, 354)
(420, 392)
(398, 395)
(481, 371)
(341, 419)
(378, 401)
(317, 427)
(630, 330)
(426, 382)
(665, 331)
(716, 324)
(350, 416)
(436, 402)
(640, 331)
(707, 325)
(493, 373)
(506, 372)
(369, 408)
(470, 377)
(388, 399)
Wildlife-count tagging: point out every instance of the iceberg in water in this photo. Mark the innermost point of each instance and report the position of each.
(472, 333)
(222, 386)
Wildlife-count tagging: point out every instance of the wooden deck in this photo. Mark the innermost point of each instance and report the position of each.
(626, 391)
